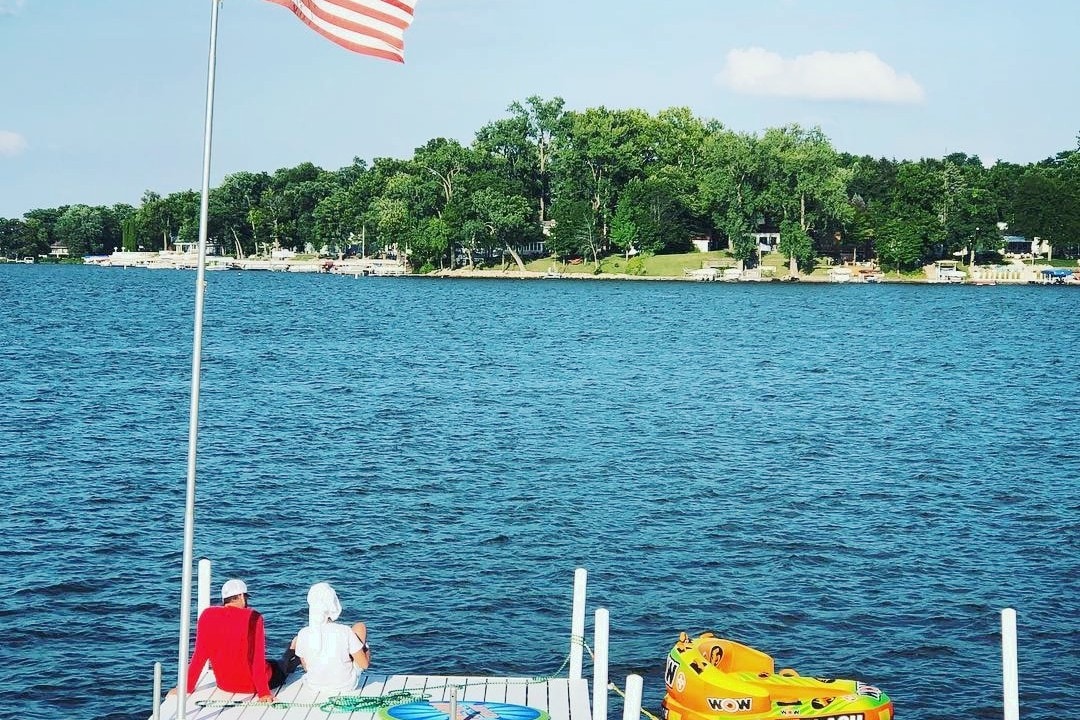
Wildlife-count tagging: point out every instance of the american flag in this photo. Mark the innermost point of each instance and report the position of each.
(368, 27)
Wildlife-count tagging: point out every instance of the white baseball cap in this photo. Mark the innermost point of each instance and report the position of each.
(233, 587)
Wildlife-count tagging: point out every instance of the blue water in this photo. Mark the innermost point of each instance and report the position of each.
(855, 479)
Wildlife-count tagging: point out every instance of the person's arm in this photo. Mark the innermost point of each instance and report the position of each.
(300, 647)
(258, 660)
(362, 655)
(201, 654)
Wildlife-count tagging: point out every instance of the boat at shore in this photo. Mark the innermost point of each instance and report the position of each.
(710, 678)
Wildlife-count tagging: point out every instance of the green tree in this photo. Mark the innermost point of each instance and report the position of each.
(22, 238)
(544, 122)
(231, 204)
(129, 236)
(156, 224)
(916, 202)
(431, 241)
(805, 180)
(575, 231)
(1047, 203)
(80, 228)
(444, 161)
(796, 244)
(730, 189)
(506, 218)
(288, 205)
(900, 243)
(339, 220)
(649, 218)
(603, 150)
(41, 223)
(680, 143)
(184, 209)
(395, 214)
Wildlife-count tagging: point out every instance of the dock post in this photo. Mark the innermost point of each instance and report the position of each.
(600, 665)
(1011, 675)
(632, 704)
(204, 586)
(577, 624)
(452, 711)
(156, 714)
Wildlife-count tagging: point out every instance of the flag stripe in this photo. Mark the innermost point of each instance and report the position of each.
(391, 12)
(368, 27)
(341, 23)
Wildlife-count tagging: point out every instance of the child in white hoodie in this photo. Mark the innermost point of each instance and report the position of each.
(333, 655)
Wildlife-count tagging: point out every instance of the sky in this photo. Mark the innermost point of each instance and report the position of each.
(101, 100)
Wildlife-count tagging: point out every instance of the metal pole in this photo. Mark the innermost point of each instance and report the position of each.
(196, 370)
(1011, 678)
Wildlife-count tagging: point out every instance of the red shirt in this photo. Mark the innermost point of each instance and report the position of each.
(232, 639)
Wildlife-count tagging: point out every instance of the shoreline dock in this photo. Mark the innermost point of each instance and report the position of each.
(557, 698)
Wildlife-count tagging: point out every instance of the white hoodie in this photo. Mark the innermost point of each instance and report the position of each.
(325, 646)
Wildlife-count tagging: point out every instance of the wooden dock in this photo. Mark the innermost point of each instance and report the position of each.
(561, 698)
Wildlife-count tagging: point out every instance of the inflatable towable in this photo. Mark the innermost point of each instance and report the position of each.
(709, 678)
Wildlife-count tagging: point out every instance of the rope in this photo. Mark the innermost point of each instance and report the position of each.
(620, 693)
(574, 640)
(337, 703)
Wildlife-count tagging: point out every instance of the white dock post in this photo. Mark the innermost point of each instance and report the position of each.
(452, 712)
(204, 586)
(632, 704)
(600, 665)
(1011, 675)
(577, 624)
(156, 714)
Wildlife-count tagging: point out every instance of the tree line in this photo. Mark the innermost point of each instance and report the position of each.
(598, 181)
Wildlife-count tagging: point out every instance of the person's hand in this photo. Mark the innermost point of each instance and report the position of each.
(267, 698)
(171, 693)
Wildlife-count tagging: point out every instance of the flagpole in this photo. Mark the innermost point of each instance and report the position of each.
(196, 372)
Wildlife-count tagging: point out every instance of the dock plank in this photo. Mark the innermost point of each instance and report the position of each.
(434, 687)
(294, 692)
(536, 695)
(580, 702)
(494, 689)
(516, 692)
(559, 698)
(476, 690)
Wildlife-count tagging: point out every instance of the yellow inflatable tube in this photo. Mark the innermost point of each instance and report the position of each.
(710, 678)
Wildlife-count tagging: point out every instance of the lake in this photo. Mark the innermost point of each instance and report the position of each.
(854, 479)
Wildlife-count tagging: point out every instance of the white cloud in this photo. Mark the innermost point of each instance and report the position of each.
(819, 75)
(11, 143)
(11, 7)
